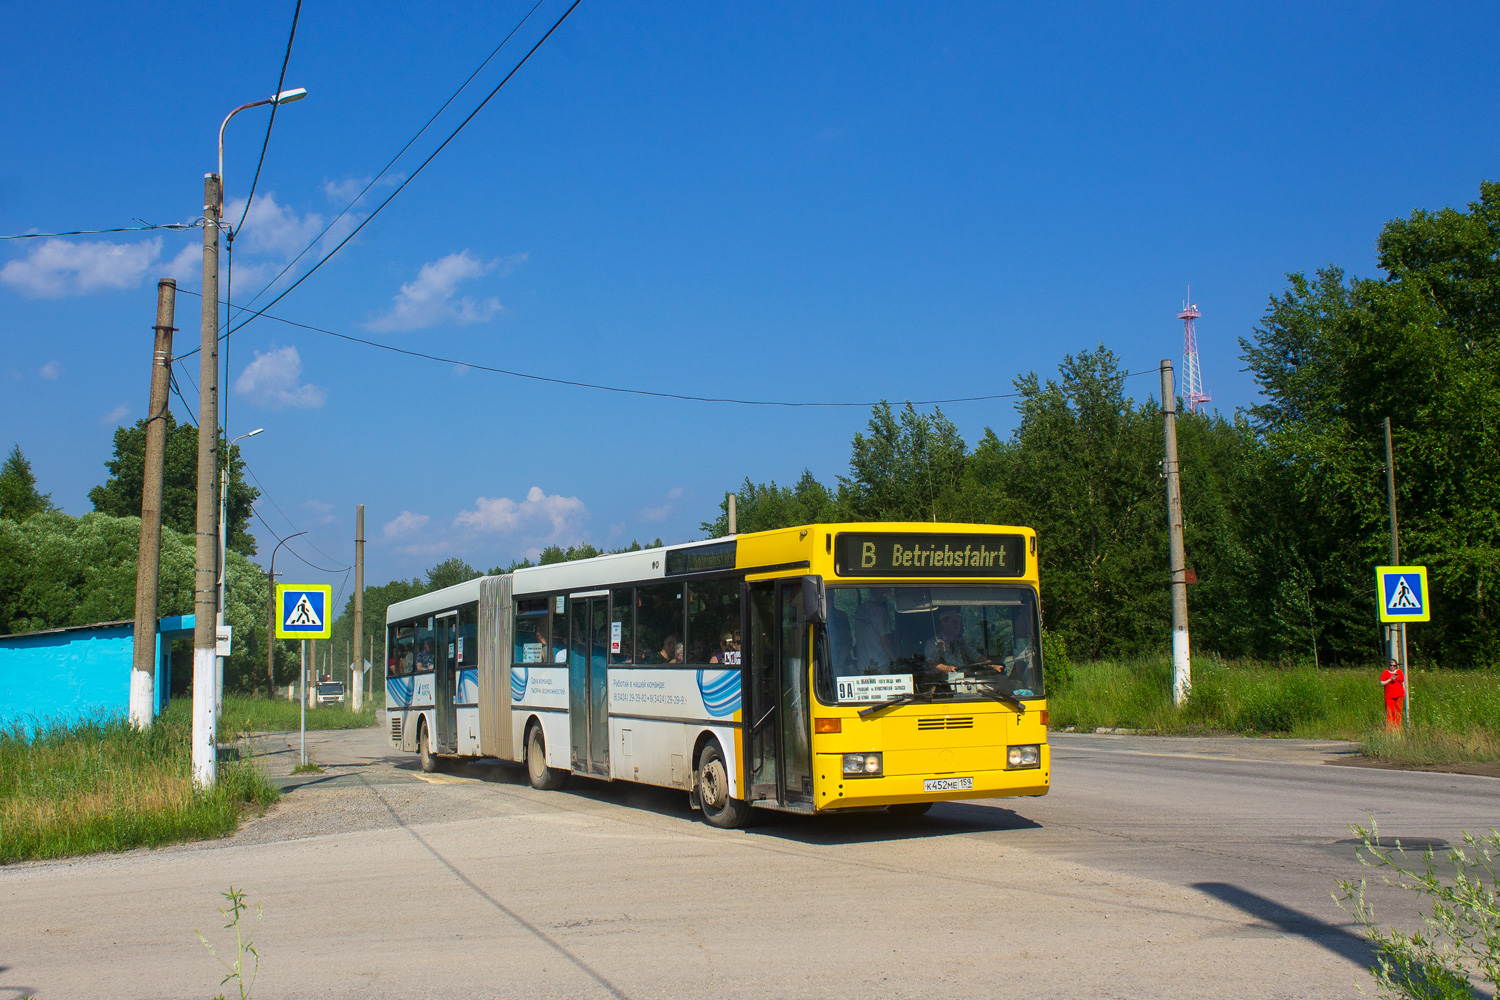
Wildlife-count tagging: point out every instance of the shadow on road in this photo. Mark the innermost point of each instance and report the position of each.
(1339, 940)
(947, 819)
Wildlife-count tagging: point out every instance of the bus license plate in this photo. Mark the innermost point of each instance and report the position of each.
(947, 784)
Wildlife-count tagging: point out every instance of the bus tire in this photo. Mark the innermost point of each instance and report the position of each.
(543, 778)
(424, 749)
(908, 808)
(713, 791)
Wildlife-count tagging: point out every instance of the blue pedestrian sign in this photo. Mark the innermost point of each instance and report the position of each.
(1403, 593)
(303, 611)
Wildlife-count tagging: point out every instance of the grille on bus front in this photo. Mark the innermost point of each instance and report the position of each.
(947, 722)
(395, 730)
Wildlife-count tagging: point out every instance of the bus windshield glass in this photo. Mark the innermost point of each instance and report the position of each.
(957, 642)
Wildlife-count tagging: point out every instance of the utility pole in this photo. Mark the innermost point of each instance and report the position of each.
(733, 526)
(205, 591)
(148, 556)
(271, 629)
(1182, 668)
(1400, 627)
(310, 662)
(359, 609)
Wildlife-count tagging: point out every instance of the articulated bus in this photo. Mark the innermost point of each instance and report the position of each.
(813, 669)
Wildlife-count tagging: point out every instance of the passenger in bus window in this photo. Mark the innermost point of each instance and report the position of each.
(949, 650)
(424, 655)
(873, 646)
(729, 649)
(671, 650)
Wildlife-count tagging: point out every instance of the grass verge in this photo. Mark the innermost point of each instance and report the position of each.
(101, 785)
(1455, 713)
(264, 715)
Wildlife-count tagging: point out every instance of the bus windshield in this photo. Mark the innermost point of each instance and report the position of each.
(955, 642)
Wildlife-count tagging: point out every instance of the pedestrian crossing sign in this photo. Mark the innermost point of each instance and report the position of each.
(304, 611)
(1403, 593)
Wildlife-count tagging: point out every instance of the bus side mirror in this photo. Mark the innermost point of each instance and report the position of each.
(812, 600)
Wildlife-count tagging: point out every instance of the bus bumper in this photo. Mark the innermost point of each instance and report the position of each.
(834, 791)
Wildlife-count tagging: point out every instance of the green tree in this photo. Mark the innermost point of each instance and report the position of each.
(1334, 358)
(120, 495)
(763, 506)
(908, 468)
(19, 497)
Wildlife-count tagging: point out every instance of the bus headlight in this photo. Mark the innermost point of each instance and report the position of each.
(1029, 755)
(863, 765)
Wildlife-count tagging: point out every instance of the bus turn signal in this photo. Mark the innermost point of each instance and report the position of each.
(829, 725)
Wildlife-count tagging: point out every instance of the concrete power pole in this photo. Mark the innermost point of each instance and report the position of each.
(359, 609)
(730, 516)
(205, 590)
(1397, 645)
(148, 557)
(1182, 669)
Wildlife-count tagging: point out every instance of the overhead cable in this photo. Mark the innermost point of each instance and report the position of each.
(399, 153)
(280, 81)
(143, 227)
(402, 186)
(626, 390)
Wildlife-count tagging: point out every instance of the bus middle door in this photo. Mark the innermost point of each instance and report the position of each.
(588, 681)
(445, 681)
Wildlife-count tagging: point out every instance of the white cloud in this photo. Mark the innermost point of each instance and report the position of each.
(186, 268)
(404, 523)
(272, 228)
(116, 415)
(272, 381)
(541, 518)
(345, 191)
(660, 512)
(431, 299)
(55, 268)
(49, 371)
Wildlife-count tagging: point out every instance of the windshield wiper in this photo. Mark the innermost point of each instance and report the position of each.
(905, 699)
(1007, 699)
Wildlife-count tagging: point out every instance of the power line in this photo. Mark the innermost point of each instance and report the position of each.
(401, 152)
(320, 569)
(280, 80)
(622, 389)
(402, 186)
(267, 494)
(192, 417)
(144, 227)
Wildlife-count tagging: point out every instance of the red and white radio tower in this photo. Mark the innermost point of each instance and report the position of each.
(1192, 377)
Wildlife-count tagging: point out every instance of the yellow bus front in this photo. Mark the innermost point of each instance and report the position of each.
(925, 680)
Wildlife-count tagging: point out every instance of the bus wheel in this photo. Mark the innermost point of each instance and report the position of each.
(547, 779)
(713, 791)
(424, 748)
(908, 808)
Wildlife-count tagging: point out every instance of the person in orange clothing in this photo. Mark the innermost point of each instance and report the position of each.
(1394, 682)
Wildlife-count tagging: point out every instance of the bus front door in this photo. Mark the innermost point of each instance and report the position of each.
(588, 683)
(445, 634)
(779, 768)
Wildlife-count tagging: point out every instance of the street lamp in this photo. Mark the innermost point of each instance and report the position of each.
(223, 560)
(285, 97)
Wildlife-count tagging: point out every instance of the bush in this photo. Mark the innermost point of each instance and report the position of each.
(1057, 667)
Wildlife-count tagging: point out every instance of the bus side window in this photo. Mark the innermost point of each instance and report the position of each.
(621, 625)
(658, 622)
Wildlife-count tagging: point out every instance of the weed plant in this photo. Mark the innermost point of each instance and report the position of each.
(1460, 932)
(1455, 714)
(101, 785)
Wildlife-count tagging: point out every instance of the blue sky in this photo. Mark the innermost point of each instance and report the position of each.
(792, 202)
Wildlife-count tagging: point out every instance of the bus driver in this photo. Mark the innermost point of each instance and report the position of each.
(950, 650)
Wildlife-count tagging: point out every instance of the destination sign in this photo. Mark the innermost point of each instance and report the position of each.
(701, 559)
(872, 554)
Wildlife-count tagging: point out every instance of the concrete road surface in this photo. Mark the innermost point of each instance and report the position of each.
(1158, 867)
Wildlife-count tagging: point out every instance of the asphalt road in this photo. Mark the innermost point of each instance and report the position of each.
(1157, 867)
